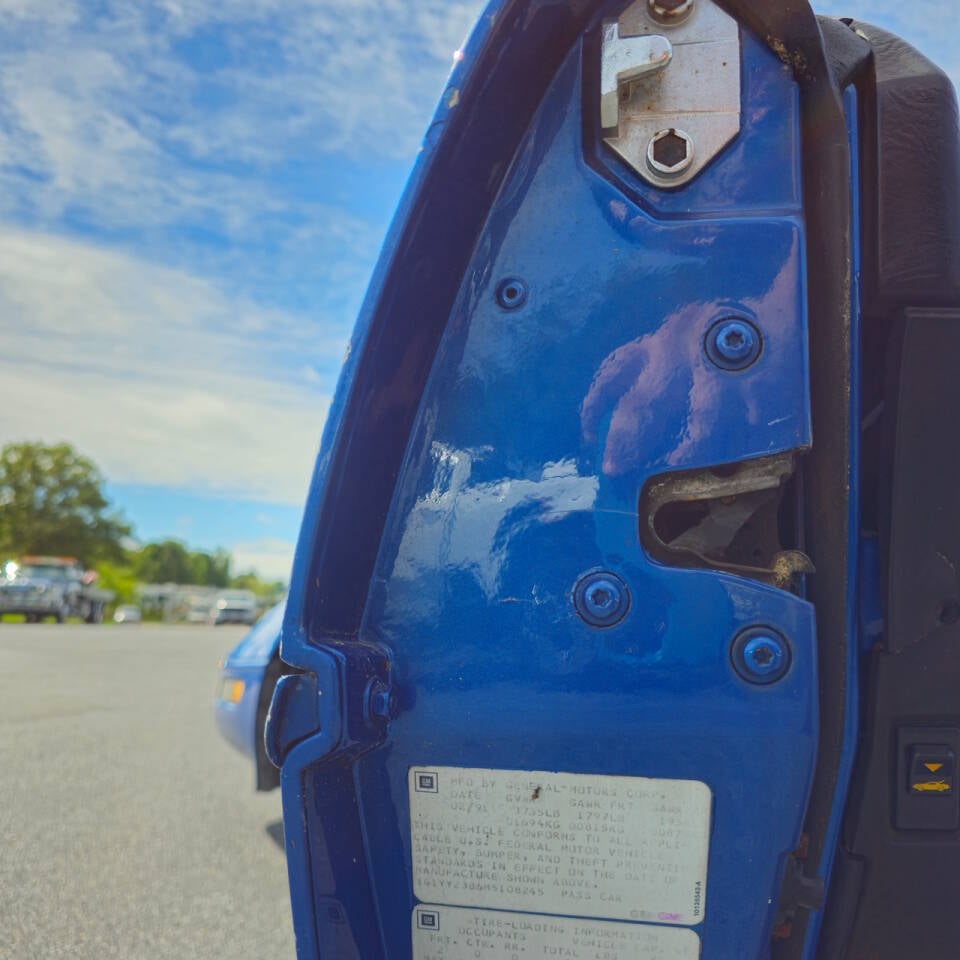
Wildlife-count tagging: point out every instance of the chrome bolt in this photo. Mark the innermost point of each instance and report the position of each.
(669, 152)
(670, 13)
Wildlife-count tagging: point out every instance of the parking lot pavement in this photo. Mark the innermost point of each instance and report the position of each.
(128, 828)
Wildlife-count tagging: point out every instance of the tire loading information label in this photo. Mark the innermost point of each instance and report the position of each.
(618, 848)
(457, 933)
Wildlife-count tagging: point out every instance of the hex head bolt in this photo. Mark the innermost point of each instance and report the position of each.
(382, 702)
(670, 152)
(670, 12)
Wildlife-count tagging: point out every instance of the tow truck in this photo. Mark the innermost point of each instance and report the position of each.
(58, 587)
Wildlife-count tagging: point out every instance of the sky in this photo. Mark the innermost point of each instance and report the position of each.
(192, 197)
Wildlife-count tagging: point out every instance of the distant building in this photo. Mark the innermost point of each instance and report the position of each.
(179, 603)
(175, 602)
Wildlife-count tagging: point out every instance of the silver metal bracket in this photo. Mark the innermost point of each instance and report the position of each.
(627, 60)
(670, 87)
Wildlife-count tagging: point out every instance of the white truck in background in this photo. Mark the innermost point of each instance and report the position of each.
(234, 606)
(58, 587)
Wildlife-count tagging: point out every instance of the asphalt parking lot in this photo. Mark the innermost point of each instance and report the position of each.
(128, 828)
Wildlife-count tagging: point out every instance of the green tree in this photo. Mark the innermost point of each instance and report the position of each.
(267, 591)
(167, 561)
(52, 502)
(120, 579)
(170, 561)
(210, 569)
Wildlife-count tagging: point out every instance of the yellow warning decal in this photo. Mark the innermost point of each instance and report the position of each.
(937, 786)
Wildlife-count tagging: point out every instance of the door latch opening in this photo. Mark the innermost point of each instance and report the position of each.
(741, 518)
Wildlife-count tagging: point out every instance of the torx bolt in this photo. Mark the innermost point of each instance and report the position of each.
(761, 656)
(733, 344)
(601, 599)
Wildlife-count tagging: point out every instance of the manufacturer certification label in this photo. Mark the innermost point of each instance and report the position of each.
(457, 933)
(622, 848)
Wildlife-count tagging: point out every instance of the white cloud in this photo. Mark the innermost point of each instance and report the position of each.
(153, 115)
(204, 355)
(39, 11)
(168, 128)
(149, 112)
(270, 558)
(159, 376)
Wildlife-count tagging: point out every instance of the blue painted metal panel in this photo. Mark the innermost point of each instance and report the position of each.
(487, 458)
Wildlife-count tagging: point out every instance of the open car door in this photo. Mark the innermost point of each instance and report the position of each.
(626, 601)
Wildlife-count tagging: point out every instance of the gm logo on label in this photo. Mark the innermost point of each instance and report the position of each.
(426, 781)
(428, 920)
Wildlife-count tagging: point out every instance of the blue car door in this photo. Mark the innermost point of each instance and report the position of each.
(575, 608)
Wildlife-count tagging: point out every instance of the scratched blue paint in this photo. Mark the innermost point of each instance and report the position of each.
(530, 440)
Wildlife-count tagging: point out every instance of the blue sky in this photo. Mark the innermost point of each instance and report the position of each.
(192, 196)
